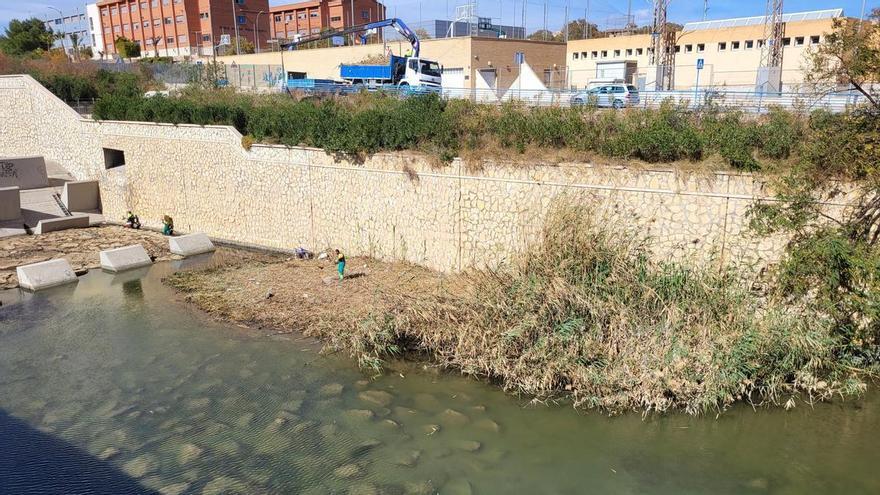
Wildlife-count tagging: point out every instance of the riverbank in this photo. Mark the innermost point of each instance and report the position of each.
(584, 316)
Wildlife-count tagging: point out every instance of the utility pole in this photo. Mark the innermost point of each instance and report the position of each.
(705, 9)
(663, 56)
(566, 22)
(545, 20)
(257, 30)
(770, 68)
(588, 27)
(235, 22)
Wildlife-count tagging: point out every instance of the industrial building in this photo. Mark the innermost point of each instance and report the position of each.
(180, 28)
(312, 17)
(728, 50)
(439, 28)
(490, 65)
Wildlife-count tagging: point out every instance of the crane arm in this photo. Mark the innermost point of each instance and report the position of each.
(397, 24)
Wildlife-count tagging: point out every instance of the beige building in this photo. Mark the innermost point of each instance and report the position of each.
(730, 50)
(494, 60)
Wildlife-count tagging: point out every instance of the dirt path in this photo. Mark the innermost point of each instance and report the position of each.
(81, 247)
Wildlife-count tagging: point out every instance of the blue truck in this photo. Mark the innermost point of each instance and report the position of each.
(411, 74)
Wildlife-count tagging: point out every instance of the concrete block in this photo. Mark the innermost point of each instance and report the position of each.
(62, 223)
(190, 245)
(81, 195)
(125, 258)
(44, 275)
(10, 203)
(26, 172)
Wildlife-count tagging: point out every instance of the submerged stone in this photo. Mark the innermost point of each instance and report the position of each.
(488, 425)
(457, 487)
(331, 389)
(224, 485)
(198, 403)
(175, 489)
(377, 397)
(363, 489)
(407, 459)
(108, 453)
(363, 414)
(451, 417)
(362, 448)
(188, 453)
(419, 488)
(141, 466)
(347, 471)
(292, 405)
(468, 445)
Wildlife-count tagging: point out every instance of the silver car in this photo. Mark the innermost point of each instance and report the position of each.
(608, 96)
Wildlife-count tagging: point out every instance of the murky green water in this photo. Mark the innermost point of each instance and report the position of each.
(112, 369)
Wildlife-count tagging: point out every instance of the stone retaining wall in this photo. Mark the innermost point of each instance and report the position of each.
(392, 206)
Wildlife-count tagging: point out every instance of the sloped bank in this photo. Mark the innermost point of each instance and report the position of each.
(584, 315)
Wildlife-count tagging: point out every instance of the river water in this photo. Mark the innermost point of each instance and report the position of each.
(112, 387)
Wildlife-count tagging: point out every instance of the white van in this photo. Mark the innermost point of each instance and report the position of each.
(617, 95)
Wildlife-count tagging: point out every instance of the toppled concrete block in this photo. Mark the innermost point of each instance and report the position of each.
(10, 203)
(81, 195)
(44, 275)
(26, 172)
(62, 223)
(190, 245)
(125, 258)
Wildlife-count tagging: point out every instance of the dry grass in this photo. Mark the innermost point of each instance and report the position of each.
(585, 314)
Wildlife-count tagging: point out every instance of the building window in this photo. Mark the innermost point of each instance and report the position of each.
(313, 13)
(169, 41)
(291, 34)
(178, 1)
(301, 15)
(616, 53)
(722, 46)
(143, 5)
(760, 43)
(365, 14)
(575, 55)
(133, 7)
(594, 54)
(149, 41)
(116, 29)
(242, 20)
(181, 38)
(629, 52)
(814, 40)
(701, 47)
(289, 17)
(277, 18)
(204, 15)
(103, 13)
(157, 22)
(125, 28)
(750, 44)
(206, 37)
(179, 18)
(137, 27)
(123, 8)
(604, 53)
(786, 41)
(336, 19)
(677, 48)
(799, 41)
(154, 3)
(316, 30)
(167, 20)
(146, 24)
(734, 45)
(688, 48)
(240, 2)
(639, 51)
(165, 2)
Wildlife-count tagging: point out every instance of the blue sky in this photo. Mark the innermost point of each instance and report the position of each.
(604, 12)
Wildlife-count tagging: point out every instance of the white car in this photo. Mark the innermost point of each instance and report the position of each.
(608, 96)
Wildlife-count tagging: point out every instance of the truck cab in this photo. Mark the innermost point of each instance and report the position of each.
(420, 72)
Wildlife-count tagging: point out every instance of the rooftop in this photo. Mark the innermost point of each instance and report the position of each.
(759, 20)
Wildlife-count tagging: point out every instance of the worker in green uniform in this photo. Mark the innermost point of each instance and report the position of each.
(340, 264)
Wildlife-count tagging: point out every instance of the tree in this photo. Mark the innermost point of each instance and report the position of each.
(849, 56)
(542, 35)
(26, 37)
(243, 47)
(127, 48)
(422, 33)
(74, 42)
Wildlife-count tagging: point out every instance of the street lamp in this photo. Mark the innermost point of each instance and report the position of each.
(257, 30)
(63, 29)
(235, 22)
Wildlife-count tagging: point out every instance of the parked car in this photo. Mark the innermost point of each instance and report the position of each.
(608, 96)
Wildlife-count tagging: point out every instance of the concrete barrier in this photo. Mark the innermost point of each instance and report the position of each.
(81, 195)
(62, 223)
(26, 172)
(44, 275)
(10, 203)
(125, 258)
(190, 245)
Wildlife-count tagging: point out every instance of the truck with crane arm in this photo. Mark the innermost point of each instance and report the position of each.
(411, 73)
